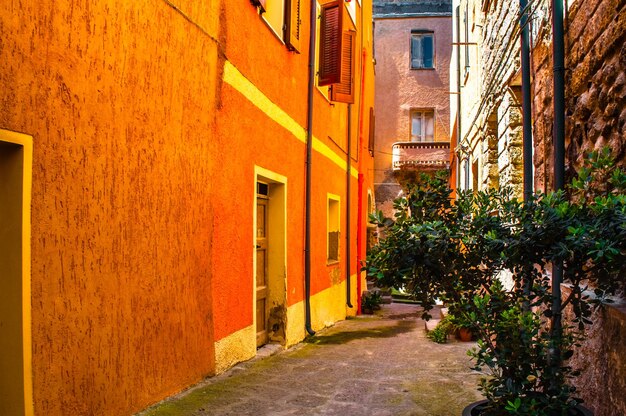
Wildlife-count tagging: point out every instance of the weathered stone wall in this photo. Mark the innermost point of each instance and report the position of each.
(595, 86)
(490, 108)
(601, 361)
(595, 117)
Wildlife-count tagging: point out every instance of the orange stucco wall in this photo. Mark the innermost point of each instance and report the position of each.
(121, 118)
(252, 138)
(143, 185)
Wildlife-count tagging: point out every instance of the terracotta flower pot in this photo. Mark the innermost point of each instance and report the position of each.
(464, 334)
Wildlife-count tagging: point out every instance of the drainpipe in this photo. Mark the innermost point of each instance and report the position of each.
(359, 243)
(558, 61)
(348, 207)
(309, 152)
(458, 98)
(526, 123)
(359, 219)
(526, 103)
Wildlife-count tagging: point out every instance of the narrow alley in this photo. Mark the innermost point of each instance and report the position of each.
(371, 365)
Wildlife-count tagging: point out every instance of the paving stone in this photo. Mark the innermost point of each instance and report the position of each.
(377, 366)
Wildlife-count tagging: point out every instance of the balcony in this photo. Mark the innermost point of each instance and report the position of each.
(421, 156)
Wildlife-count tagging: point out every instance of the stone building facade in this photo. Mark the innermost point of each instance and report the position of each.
(487, 131)
(413, 46)
(595, 103)
(485, 67)
(595, 53)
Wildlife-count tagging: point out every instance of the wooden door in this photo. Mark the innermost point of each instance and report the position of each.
(261, 271)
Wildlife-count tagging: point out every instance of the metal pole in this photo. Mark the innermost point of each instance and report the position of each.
(526, 103)
(309, 154)
(558, 60)
(459, 131)
(558, 56)
(348, 207)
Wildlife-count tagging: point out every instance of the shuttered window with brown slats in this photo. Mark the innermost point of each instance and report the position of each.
(293, 26)
(330, 43)
(344, 90)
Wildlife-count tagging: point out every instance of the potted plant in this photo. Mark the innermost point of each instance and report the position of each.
(490, 257)
(371, 301)
(451, 324)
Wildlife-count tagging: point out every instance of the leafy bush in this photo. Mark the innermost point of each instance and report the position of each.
(440, 332)
(371, 301)
(458, 252)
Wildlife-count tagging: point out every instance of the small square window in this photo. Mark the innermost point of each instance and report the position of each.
(422, 126)
(422, 50)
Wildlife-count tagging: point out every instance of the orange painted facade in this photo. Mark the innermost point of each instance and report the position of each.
(151, 124)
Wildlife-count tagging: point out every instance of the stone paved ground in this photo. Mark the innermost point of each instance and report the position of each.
(381, 365)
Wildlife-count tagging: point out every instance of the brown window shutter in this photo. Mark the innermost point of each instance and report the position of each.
(370, 145)
(330, 43)
(293, 29)
(344, 90)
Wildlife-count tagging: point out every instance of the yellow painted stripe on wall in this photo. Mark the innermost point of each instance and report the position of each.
(234, 78)
(238, 81)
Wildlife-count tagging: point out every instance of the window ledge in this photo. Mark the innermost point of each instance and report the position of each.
(330, 263)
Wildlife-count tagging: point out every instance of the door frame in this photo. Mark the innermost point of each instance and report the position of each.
(276, 241)
(26, 142)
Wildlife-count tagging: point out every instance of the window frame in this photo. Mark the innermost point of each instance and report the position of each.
(289, 29)
(423, 136)
(331, 36)
(421, 33)
(333, 225)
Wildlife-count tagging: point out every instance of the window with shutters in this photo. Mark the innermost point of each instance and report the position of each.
(325, 88)
(336, 53)
(343, 91)
(331, 35)
(422, 125)
(284, 18)
(422, 50)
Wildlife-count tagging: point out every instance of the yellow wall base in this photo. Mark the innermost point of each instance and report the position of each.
(327, 307)
(235, 348)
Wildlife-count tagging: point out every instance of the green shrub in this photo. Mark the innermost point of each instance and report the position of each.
(437, 249)
(440, 332)
(371, 301)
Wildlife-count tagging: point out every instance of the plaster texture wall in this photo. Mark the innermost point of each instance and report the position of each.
(121, 206)
(269, 98)
(401, 89)
(148, 123)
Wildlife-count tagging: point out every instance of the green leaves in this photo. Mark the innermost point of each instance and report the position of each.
(460, 252)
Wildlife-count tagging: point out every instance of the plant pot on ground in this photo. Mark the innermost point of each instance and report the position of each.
(459, 251)
(370, 301)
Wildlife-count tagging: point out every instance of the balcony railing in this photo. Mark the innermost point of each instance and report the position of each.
(421, 155)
